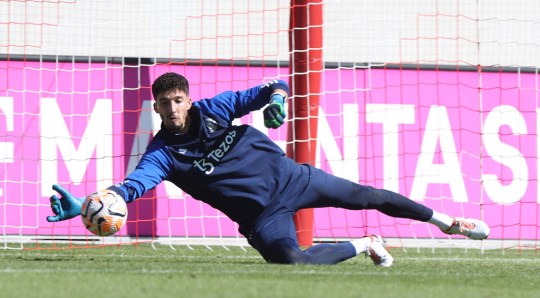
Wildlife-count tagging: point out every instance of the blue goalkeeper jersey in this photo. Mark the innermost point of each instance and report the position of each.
(236, 169)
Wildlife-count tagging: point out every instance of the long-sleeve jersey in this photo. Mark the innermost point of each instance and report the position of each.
(236, 169)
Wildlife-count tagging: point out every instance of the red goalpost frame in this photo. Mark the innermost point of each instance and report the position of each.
(306, 66)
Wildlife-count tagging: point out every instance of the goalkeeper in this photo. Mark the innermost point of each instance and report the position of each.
(241, 172)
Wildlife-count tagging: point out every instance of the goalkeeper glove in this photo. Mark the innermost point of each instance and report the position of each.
(65, 208)
(274, 113)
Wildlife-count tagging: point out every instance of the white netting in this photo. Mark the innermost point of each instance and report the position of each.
(437, 100)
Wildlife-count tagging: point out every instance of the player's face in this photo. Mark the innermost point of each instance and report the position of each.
(172, 107)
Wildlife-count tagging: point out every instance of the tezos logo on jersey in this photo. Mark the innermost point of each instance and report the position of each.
(207, 164)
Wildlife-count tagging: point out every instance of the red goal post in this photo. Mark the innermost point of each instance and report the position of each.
(305, 67)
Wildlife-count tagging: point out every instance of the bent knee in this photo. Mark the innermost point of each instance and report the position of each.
(284, 251)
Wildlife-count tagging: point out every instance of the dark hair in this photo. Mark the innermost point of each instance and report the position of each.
(170, 81)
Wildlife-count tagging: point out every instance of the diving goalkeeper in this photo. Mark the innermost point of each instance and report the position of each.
(241, 172)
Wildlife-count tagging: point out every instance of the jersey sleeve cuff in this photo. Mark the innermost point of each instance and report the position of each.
(120, 191)
(280, 85)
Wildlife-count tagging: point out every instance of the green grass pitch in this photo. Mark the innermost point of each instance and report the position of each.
(144, 271)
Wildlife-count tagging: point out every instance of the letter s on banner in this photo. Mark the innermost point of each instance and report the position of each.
(505, 154)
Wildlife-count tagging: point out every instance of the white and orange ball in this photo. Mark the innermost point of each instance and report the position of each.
(104, 212)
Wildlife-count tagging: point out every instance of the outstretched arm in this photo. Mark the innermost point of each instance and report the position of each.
(148, 174)
(230, 105)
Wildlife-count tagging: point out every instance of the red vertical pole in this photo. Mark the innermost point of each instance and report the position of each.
(305, 45)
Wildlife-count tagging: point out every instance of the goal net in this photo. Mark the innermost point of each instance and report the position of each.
(437, 100)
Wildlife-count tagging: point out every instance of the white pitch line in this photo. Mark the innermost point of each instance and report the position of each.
(173, 256)
(293, 271)
(501, 260)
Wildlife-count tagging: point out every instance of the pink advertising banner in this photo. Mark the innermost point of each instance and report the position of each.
(464, 143)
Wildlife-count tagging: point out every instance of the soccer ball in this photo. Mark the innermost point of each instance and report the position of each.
(104, 213)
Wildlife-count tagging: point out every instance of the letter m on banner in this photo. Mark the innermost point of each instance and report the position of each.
(56, 138)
